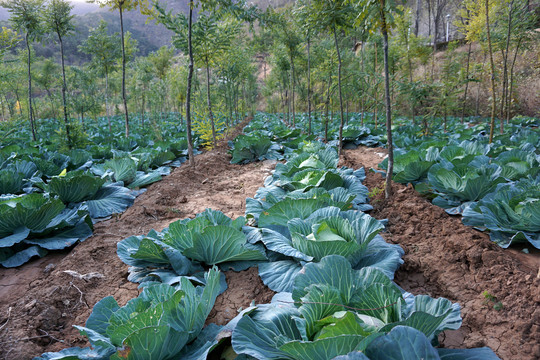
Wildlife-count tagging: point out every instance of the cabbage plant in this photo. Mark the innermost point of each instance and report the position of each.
(411, 166)
(30, 225)
(124, 169)
(511, 213)
(334, 310)
(310, 156)
(404, 343)
(187, 246)
(101, 199)
(255, 146)
(518, 164)
(463, 182)
(157, 325)
(319, 233)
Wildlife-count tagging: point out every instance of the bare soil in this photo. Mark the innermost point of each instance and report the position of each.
(39, 302)
(498, 289)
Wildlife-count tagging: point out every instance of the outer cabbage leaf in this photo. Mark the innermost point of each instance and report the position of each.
(108, 200)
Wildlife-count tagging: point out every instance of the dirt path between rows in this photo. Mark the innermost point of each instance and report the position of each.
(40, 301)
(497, 289)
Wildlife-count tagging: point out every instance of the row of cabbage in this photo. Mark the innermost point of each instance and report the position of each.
(49, 199)
(314, 245)
(495, 187)
(268, 138)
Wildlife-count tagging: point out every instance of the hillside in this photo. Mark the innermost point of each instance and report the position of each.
(150, 36)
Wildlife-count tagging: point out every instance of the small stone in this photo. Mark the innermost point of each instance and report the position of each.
(49, 268)
(30, 304)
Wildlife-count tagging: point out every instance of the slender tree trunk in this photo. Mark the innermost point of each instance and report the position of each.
(505, 66)
(340, 146)
(143, 105)
(376, 88)
(493, 89)
(390, 145)
(51, 101)
(429, 17)
(464, 102)
(188, 94)
(237, 111)
(417, 17)
(209, 102)
(327, 106)
(107, 100)
(282, 102)
(435, 35)
(292, 91)
(346, 112)
(363, 98)
(30, 110)
(64, 90)
(287, 97)
(230, 101)
(409, 63)
(3, 108)
(511, 82)
(309, 82)
(124, 97)
(10, 108)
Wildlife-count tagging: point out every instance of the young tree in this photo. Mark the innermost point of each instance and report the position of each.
(492, 77)
(288, 36)
(8, 40)
(25, 17)
(210, 39)
(183, 36)
(85, 99)
(121, 6)
(104, 51)
(332, 16)
(177, 23)
(377, 14)
(58, 19)
(144, 73)
(46, 78)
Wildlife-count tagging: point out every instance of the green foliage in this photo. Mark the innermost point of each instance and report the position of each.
(57, 17)
(202, 125)
(8, 40)
(104, 49)
(26, 17)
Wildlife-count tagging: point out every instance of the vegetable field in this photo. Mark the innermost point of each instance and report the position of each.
(269, 180)
(287, 221)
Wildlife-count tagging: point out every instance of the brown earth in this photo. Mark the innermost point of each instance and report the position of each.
(39, 302)
(497, 289)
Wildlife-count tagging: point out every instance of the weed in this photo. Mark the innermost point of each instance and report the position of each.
(492, 299)
(203, 127)
(174, 210)
(376, 191)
